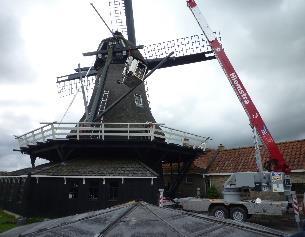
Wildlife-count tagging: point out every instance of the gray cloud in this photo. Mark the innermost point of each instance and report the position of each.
(19, 104)
(8, 160)
(267, 43)
(14, 62)
(264, 40)
(14, 66)
(12, 124)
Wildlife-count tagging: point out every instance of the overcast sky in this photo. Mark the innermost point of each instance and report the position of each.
(265, 41)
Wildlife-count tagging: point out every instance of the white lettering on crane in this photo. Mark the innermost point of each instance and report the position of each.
(264, 131)
(238, 87)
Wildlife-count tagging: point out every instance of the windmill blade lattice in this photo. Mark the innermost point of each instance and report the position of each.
(118, 16)
(186, 46)
(69, 87)
(181, 47)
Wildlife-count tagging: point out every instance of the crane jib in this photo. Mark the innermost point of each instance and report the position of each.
(191, 3)
(241, 92)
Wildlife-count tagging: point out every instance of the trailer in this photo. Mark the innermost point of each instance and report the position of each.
(238, 211)
(233, 206)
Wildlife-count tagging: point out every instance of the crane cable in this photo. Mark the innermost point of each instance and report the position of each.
(74, 97)
(68, 108)
(89, 68)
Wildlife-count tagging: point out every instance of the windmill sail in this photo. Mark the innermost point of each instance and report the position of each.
(121, 13)
(186, 50)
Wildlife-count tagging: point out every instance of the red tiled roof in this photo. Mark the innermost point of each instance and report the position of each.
(167, 169)
(243, 159)
(198, 165)
(204, 160)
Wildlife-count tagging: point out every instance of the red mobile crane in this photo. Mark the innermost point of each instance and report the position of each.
(233, 205)
(276, 157)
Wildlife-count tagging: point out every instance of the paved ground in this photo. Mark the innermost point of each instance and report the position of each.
(285, 223)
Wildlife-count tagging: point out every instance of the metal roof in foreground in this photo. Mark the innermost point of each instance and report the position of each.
(141, 219)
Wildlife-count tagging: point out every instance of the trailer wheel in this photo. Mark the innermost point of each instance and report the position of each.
(220, 212)
(238, 214)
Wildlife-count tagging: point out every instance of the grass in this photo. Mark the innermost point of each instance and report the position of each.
(6, 221)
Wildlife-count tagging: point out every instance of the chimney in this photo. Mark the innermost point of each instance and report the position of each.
(221, 147)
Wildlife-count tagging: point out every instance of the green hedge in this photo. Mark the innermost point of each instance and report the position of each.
(213, 192)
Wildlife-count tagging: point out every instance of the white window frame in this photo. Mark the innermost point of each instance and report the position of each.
(138, 100)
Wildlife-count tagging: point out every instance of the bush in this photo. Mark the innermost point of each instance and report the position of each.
(35, 219)
(213, 192)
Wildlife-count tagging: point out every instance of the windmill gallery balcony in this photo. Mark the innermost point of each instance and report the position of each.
(108, 131)
(56, 135)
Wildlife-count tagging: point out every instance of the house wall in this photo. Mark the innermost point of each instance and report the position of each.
(298, 184)
(50, 196)
(217, 181)
(188, 186)
(298, 178)
(12, 192)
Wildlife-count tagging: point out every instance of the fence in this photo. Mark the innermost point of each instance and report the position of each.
(106, 131)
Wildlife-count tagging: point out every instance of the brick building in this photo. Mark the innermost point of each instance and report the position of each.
(214, 167)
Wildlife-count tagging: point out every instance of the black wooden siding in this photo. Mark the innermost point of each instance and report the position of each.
(50, 196)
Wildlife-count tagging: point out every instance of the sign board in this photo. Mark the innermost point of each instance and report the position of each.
(277, 182)
(277, 188)
(276, 177)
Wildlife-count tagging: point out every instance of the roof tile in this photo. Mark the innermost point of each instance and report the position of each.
(243, 159)
(91, 167)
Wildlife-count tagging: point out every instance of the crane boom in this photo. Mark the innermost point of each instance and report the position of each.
(276, 157)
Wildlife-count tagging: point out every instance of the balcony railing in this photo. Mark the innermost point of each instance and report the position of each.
(108, 131)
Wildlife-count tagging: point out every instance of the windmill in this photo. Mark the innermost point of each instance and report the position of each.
(120, 69)
(116, 146)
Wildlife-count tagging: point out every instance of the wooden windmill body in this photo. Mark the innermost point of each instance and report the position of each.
(116, 150)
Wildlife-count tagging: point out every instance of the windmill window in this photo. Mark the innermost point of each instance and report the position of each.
(138, 100)
(74, 188)
(93, 189)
